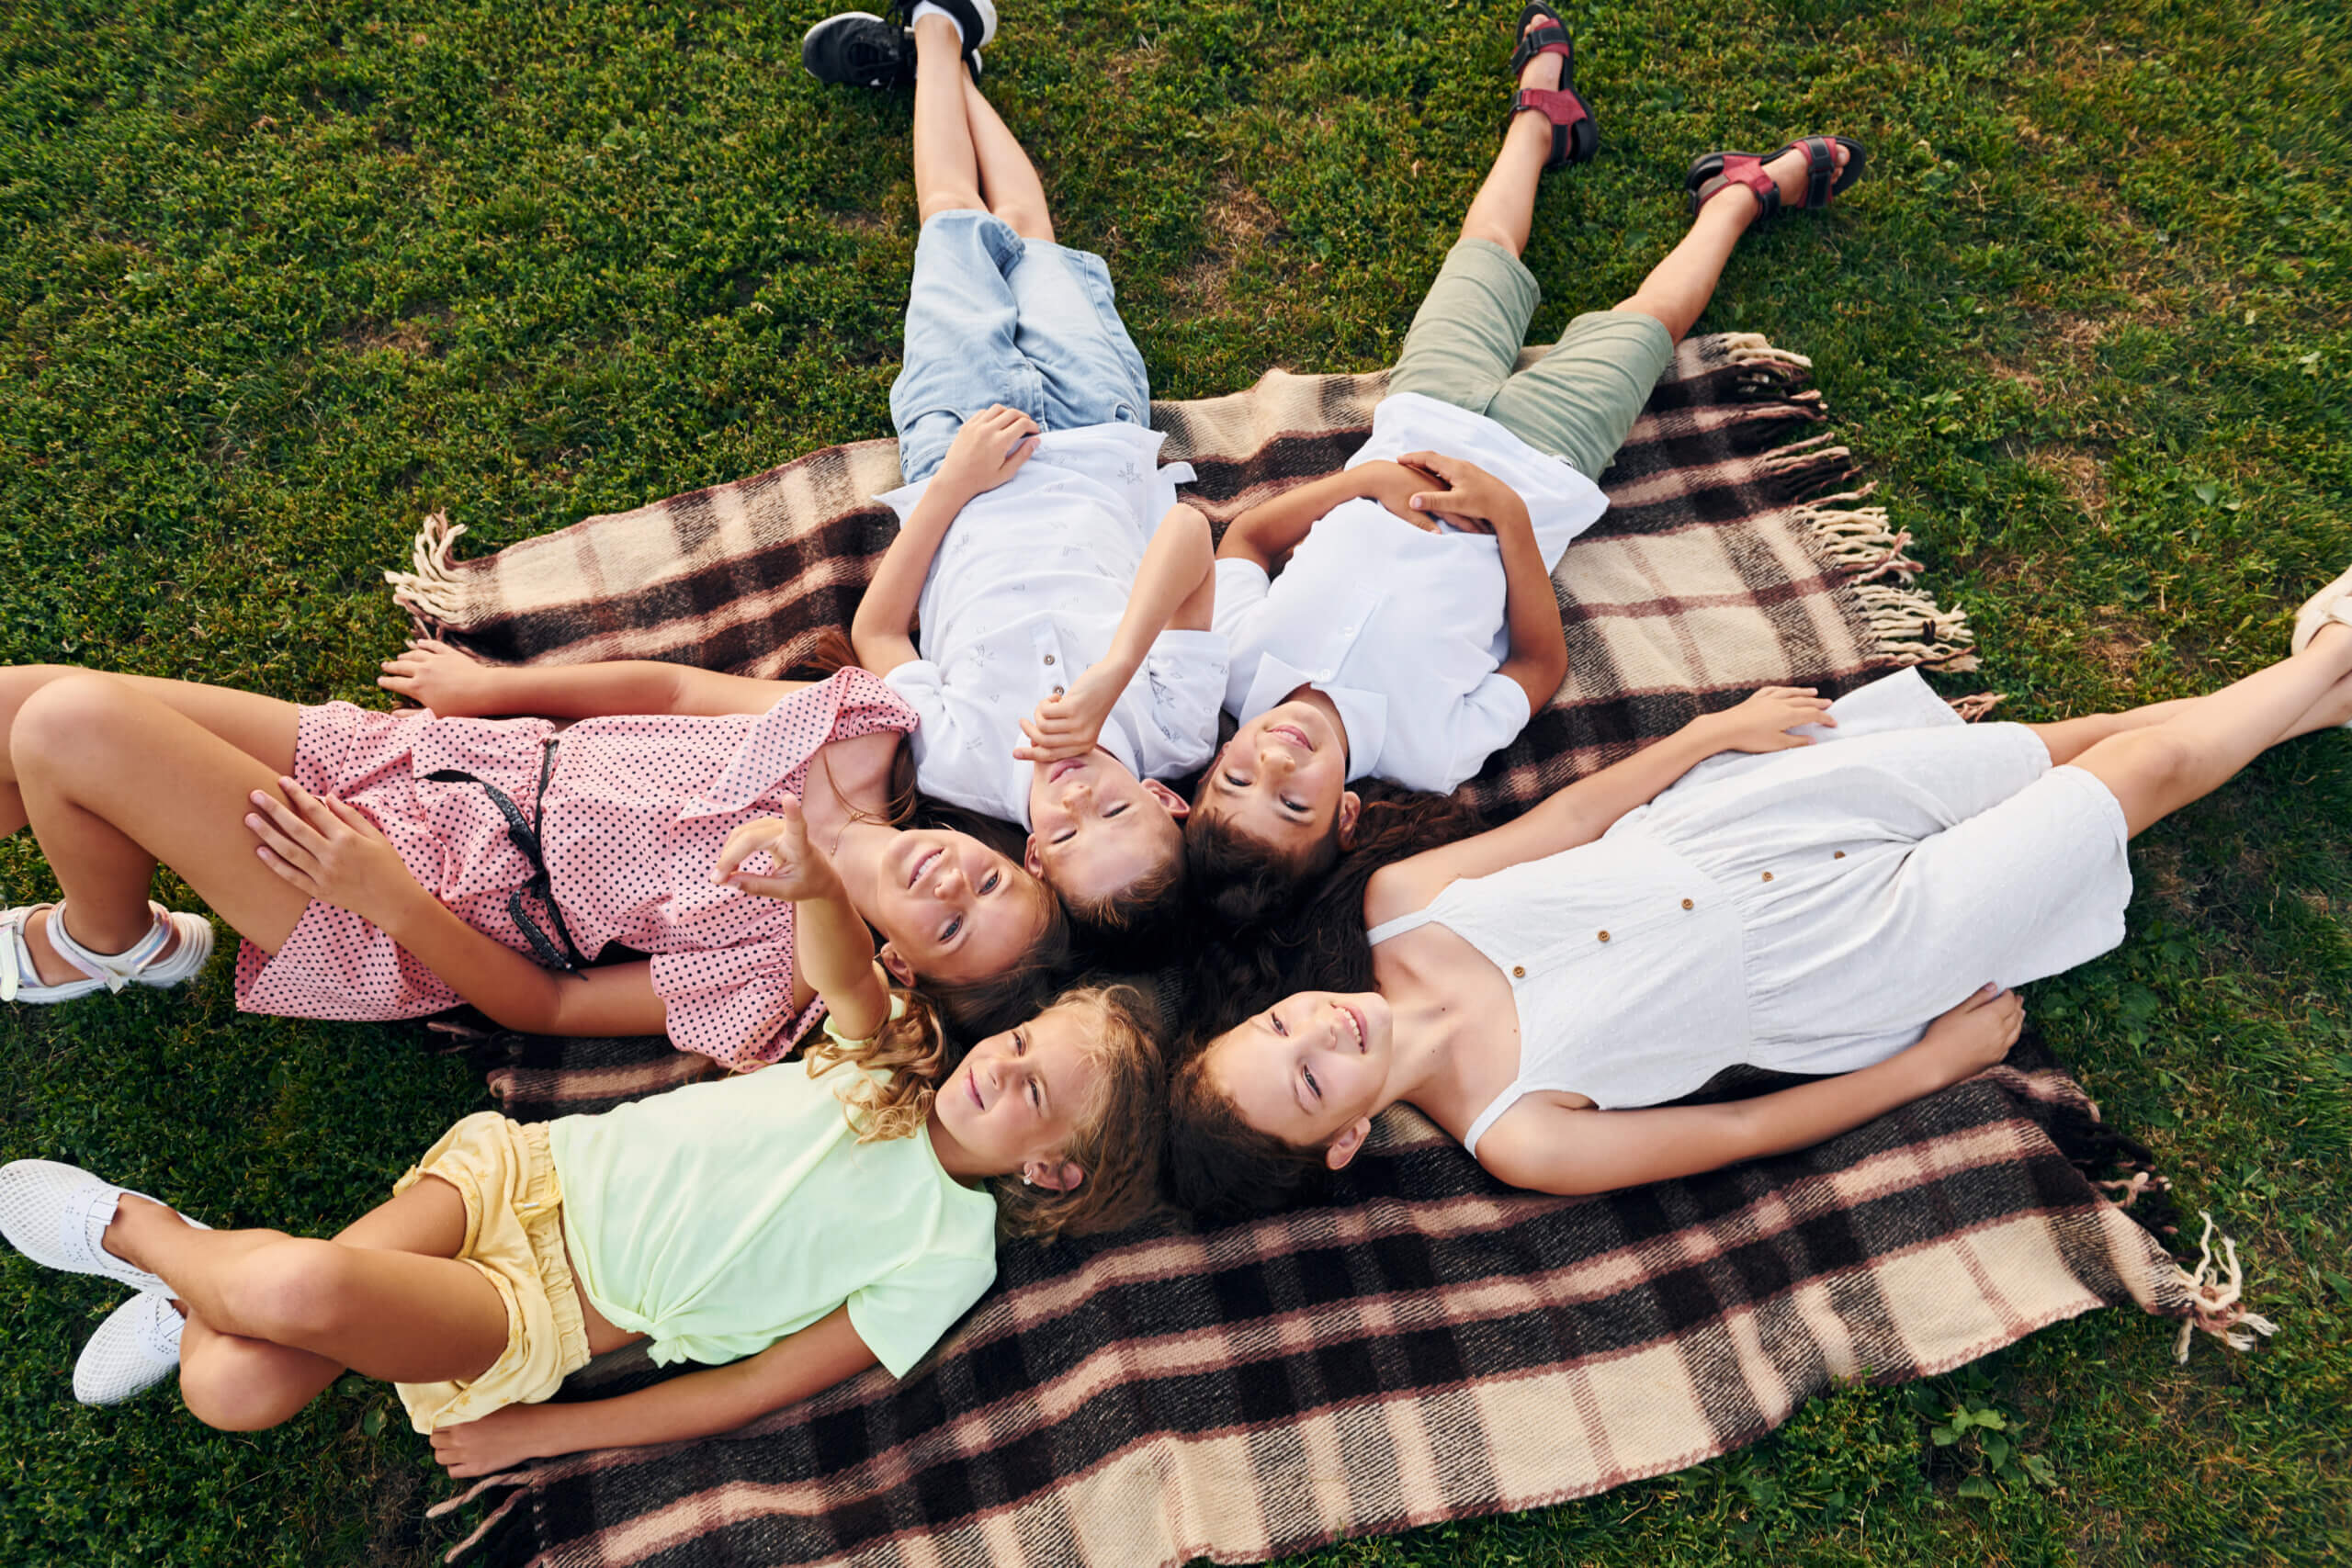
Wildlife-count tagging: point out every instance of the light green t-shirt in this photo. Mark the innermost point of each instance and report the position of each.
(718, 1218)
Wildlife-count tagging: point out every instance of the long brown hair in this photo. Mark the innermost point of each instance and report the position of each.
(1220, 1166)
(1313, 938)
(911, 1048)
(1116, 1140)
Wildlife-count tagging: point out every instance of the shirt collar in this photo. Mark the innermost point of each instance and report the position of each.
(1364, 713)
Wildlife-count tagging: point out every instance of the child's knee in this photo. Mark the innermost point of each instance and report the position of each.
(232, 1388)
(69, 721)
(935, 202)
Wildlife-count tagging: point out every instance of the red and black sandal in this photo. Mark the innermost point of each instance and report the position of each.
(1712, 173)
(1574, 137)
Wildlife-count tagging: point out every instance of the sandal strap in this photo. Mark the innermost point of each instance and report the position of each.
(1742, 169)
(1546, 37)
(1820, 169)
(1563, 109)
(115, 968)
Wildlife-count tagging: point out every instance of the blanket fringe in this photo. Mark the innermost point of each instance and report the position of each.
(1971, 708)
(432, 592)
(1751, 348)
(1861, 541)
(2214, 1304)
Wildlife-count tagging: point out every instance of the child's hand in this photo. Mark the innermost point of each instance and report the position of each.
(434, 675)
(331, 851)
(499, 1440)
(988, 451)
(1394, 486)
(1972, 1037)
(1464, 493)
(802, 871)
(1068, 725)
(1762, 723)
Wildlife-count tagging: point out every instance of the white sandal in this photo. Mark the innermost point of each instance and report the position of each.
(2332, 602)
(21, 982)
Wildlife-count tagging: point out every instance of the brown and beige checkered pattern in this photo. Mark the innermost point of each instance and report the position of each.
(1421, 1344)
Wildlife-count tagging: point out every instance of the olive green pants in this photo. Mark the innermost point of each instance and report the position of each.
(1576, 402)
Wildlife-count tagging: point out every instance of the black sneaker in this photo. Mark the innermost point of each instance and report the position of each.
(857, 49)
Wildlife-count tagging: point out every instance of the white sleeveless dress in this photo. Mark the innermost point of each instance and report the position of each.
(1808, 912)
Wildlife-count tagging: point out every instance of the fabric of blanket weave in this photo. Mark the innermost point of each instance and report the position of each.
(1420, 1343)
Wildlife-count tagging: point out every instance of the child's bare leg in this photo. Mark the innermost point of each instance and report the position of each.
(1679, 287)
(400, 1316)
(86, 751)
(2157, 771)
(947, 171)
(240, 1384)
(1504, 208)
(260, 727)
(2068, 738)
(1009, 180)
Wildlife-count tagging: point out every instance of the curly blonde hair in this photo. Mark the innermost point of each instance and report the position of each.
(910, 1050)
(1116, 1142)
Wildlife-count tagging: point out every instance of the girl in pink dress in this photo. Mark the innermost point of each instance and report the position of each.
(488, 861)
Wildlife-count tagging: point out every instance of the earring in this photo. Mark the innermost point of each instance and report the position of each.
(1027, 1181)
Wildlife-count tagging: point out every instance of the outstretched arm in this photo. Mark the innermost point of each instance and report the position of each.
(455, 686)
(1534, 1145)
(1175, 586)
(1584, 810)
(696, 1405)
(988, 450)
(832, 950)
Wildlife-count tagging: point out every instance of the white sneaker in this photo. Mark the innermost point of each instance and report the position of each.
(56, 1213)
(21, 982)
(136, 1348)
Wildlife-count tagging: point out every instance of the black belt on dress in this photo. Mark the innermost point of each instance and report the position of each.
(525, 838)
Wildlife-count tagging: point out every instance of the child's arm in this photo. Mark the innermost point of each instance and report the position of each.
(331, 852)
(1272, 529)
(988, 450)
(1533, 1145)
(696, 1405)
(1588, 808)
(1470, 497)
(453, 684)
(832, 948)
(1175, 586)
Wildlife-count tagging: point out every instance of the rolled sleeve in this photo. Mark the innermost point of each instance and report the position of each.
(1185, 672)
(1489, 717)
(962, 751)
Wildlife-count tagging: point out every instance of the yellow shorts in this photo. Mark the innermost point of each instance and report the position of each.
(515, 1238)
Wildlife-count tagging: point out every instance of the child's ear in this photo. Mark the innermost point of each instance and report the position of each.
(892, 959)
(1342, 1149)
(1178, 807)
(1031, 861)
(1062, 1178)
(1351, 808)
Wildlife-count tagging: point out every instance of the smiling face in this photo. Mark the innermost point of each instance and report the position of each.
(1307, 1069)
(1015, 1101)
(1281, 782)
(1100, 829)
(951, 909)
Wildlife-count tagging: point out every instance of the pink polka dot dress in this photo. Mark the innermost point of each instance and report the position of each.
(635, 812)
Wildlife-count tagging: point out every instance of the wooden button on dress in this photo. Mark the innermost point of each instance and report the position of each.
(1518, 971)
(1604, 936)
(1767, 877)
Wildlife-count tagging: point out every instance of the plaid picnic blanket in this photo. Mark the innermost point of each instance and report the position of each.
(1421, 1344)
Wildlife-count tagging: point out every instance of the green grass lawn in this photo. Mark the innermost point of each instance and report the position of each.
(278, 279)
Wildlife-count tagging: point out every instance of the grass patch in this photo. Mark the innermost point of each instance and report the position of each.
(276, 281)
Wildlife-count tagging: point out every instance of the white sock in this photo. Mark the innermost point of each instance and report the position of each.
(929, 8)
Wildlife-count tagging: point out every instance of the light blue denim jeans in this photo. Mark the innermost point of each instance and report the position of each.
(992, 317)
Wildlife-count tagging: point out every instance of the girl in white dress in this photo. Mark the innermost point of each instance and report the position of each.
(1856, 908)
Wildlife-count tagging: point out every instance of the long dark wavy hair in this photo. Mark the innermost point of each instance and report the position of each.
(1313, 940)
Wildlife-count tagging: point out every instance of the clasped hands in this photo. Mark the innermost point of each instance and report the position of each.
(1428, 487)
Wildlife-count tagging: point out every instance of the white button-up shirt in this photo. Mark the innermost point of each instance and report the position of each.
(1404, 629)
(1024, 594)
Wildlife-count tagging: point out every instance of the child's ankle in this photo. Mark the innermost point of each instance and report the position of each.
(925, 11)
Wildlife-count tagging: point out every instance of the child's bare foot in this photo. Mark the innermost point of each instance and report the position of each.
(1543, 71)
(1791, 171)
(1806, 173)
(1545, 112)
